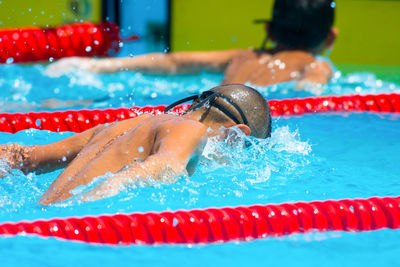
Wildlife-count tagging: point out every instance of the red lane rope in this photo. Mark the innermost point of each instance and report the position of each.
(219, 224)
(86, 39)
(81, 120)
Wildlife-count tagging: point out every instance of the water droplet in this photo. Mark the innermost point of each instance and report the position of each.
(140, 149)
(51, 59)
(333, 5)
(38, 122)
(88, 48)
(120, 44)
(64, 159)
(96, 42)
(9, 60)
(174, 222)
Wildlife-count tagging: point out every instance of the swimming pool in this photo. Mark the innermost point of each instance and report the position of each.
(326, 156)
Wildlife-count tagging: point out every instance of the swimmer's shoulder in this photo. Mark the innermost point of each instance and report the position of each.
(183, 124)
(182, 136)
(250, 53)
(182, 129)
(304, 60)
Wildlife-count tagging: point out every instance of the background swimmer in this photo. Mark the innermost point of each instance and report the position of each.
(300, 29)
(143, 147)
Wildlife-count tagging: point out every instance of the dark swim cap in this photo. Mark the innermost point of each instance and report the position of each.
(242, 104)
(301, 24)
(253, 105)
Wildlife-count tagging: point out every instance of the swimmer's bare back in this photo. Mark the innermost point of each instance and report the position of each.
(263, 68)
(140, 147)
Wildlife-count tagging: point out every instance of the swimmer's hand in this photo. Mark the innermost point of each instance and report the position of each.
(71, 64)
(11, 157)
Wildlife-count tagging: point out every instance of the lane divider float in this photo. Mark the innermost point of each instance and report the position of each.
(219, 224)
(81, 120)
(30, 44)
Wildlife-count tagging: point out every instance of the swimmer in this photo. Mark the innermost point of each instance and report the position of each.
(301, 30)
(148, 146)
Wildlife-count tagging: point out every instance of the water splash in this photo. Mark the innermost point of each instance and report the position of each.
(354, 83)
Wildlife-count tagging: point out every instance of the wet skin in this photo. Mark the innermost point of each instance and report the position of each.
(139, 147)
(263, 68)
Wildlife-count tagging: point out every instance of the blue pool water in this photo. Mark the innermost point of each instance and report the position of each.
(32, 88)
(312, 157)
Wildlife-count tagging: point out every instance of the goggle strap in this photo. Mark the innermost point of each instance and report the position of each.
(227, 113)
(230, 114)
(211, 97)
(193, 97)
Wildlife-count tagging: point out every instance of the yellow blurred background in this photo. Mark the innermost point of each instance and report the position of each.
(14, 13)
(369, 29)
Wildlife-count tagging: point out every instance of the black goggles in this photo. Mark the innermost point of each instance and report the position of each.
(208, 97)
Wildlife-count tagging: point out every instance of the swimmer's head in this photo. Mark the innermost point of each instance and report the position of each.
(234, 104)
(303, 24)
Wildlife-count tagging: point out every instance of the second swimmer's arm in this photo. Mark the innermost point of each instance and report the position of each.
(154, 63)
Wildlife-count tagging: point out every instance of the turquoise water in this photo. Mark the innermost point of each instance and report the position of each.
(31, 88)
(312, 157)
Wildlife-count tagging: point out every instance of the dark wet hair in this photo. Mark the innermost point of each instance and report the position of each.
(250, 108)
(302, 24)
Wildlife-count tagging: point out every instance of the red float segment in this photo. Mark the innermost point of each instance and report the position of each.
(86, 39)
(219, 224)
(81, 120)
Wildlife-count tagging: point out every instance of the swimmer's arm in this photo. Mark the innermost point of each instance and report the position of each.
(170, 160)
(317, 72)
(45, 158)
(154, 63)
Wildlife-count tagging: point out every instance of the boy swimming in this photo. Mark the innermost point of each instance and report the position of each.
(301, 29)
(142, 147)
